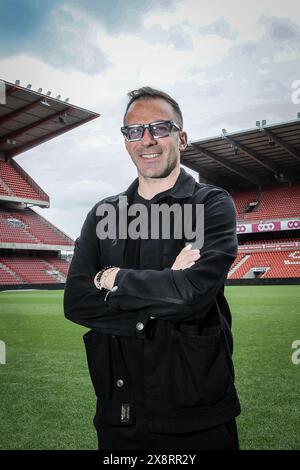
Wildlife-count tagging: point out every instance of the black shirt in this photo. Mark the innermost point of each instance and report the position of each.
(140, 355)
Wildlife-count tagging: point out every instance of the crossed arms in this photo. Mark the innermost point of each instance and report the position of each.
(170, 294)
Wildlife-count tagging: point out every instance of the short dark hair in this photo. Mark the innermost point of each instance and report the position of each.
(147, 93)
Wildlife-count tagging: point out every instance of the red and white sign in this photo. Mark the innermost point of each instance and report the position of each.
(268, 226)
(244, 228)
(290, 224)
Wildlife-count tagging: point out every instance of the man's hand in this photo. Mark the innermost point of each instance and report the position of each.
(186, 258)
(110, 278)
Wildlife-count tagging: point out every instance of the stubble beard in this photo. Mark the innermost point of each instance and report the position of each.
(161, 173)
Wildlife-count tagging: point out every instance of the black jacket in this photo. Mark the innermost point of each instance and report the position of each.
(179, 321)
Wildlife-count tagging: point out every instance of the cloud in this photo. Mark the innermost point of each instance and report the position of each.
(65, 34)
(219, 28)
(270, 89)
(254, 71)
(122, 15)
(281, 29)
(209, 91)
(22, 19)
(57, 35)
(174, 37)
(70, 42)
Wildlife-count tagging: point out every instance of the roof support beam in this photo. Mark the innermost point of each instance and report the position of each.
(234, 167)
(211, 179)
(279, 141)
(264, 161)
(30, 127)
(15, 114)
(40, 140)
(11, 90)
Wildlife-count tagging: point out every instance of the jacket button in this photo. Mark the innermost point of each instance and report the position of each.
(120, 383)
(139, 326)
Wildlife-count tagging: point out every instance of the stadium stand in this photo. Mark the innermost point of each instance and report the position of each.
(260, 168)
(14, 184)
(32, 269)
(277, 241)
(7, 277)
(276, 202)
(268, 241)
(28, 226)
(285, 264)
(60, 264)
(13, 230)
(32, 249)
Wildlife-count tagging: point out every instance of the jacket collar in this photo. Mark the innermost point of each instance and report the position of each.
(183, 188)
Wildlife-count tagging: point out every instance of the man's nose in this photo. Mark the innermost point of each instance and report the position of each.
(148, 138)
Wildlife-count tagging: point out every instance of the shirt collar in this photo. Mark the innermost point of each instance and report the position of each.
(183, 187)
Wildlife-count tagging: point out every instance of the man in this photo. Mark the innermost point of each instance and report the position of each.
(159, 349)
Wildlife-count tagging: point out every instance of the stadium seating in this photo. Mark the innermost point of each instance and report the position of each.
(12, 231)
(8, 278)
(61, 264)
(13, 184)
(275, 202)
(283, 264)
(26, 226)
(275, 241)
(4, 190)
(32, 270)
(242, 199)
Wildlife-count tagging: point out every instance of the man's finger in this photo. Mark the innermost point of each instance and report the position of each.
(187, 247)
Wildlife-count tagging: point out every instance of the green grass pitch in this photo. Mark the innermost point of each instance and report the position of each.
(47, 400)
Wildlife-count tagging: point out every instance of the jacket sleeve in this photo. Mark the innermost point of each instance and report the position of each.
(183, 295)
(83, 302)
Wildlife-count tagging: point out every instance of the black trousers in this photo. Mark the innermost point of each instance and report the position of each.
(138, 437)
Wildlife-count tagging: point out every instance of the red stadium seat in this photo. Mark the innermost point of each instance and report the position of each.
(275, 202)
(284, 264)
(26, 226)
(13, 184)
(31, 270)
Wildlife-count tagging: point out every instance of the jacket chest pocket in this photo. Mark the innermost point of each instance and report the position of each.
(199, 374)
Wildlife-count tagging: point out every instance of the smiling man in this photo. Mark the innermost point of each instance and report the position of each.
(157, 158)
(159, 346)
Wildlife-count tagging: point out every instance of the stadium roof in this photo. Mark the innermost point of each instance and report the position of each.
(29, 118)
(264, 155)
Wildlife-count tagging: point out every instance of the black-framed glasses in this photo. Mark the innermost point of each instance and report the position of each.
(157, 129)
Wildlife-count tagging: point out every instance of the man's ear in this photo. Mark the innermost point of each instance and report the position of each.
(183, 138)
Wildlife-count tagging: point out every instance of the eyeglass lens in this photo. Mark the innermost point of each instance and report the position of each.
(161, 129)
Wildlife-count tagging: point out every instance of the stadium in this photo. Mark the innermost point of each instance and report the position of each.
(47, 399)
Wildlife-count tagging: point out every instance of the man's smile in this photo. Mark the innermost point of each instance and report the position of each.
(150, 156)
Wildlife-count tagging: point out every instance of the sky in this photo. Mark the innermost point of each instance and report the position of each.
(228, 63)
